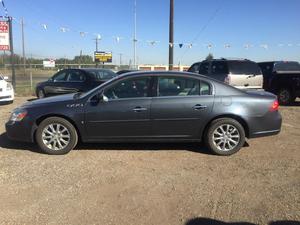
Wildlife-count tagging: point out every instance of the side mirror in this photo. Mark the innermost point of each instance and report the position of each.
(96, 99)
(5, 78)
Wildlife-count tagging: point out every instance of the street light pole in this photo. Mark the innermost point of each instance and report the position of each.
(171, 35)
(134, 37)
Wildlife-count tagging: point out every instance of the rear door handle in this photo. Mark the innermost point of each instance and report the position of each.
(199, 106)
(139, 109)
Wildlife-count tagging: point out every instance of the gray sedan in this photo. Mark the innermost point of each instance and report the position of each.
(149, 107)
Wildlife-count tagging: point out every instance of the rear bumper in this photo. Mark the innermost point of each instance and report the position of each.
(267, 125)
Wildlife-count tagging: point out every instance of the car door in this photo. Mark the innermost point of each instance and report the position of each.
(125, 114)
(75, 81)
(56, 84)
(181, 107)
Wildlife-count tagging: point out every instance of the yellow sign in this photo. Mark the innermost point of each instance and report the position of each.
(103, 57)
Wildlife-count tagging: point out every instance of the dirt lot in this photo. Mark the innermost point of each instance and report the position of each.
(152, 183)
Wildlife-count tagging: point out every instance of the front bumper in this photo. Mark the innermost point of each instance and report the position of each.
(7, 96)
(20, 131)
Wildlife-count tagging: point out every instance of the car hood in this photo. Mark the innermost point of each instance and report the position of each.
(3, 84)
(50, 100)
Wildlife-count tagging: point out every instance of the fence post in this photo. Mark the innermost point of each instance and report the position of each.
(31, 83)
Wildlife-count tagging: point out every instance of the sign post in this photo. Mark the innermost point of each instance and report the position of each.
(6, 44)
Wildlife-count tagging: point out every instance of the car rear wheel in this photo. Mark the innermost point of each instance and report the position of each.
(225, 136)
(41, 93)
(56, 136)
(285, 96)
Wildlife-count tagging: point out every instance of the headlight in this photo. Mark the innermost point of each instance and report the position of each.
(9, 87)
(18, 115)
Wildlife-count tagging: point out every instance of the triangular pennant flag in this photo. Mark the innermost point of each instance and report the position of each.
(190, 45)
(209, 46)
(82, 33)
(180, 45)
(45, 26)
(63, 29)
(265, 46)
(171, 45)
(227, 46)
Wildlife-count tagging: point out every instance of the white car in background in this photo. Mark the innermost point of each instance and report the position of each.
(6, 90)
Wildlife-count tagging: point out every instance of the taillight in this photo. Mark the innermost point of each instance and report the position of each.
(274, 106)
(227, 80)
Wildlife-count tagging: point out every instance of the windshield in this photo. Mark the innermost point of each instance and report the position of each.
(243, 67)
(1, 78)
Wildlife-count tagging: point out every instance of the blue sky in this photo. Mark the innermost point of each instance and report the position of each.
(201, 22)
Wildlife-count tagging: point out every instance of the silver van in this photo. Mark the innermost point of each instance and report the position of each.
(240, 73)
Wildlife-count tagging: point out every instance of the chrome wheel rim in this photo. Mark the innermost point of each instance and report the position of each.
(41, 94)
(226, 137)
(56, 136)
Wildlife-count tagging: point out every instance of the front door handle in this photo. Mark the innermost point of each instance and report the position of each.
(199, 107)
(139, 109)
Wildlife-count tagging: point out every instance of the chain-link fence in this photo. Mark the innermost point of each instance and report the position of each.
(29, 75)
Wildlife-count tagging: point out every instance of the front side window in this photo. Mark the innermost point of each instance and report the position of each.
(178, 86)
(60, 76)
(76, 76)
(129, 88)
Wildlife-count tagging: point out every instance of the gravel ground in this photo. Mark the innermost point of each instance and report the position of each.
(152, 183)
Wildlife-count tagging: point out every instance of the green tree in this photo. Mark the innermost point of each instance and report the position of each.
(209, 56)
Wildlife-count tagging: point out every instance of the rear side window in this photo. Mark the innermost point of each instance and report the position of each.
(203, 68)
(244, 67)
(194, 68)
(99, 75)
(219, 68)
(75, 76)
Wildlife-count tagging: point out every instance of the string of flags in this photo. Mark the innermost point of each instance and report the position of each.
(118, 39)
(4, 7)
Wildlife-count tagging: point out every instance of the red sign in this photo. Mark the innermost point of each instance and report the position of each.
(4, 36)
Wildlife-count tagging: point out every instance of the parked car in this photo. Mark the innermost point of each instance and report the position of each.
(6, 90)
(283, 79)
(125, 71)
(149, 107)
(73, 80)
(240, 73)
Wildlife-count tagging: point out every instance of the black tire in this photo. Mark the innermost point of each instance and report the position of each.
(40, 93)
(285, 96)
(55, 121)
(215, 126)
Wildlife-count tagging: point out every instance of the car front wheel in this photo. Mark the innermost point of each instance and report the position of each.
(225, 136)
(41, 93)
(56, 136)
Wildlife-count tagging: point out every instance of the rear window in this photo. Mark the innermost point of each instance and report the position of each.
(243, 67)
(219, 67)
(287, 67)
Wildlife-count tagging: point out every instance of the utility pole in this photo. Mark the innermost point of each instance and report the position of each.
(96, 42)
(12, 61)
(23, 46)
(171, 35)
(134, 37)
(120, 59)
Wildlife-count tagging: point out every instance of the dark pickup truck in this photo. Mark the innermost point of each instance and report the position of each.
(283, 79)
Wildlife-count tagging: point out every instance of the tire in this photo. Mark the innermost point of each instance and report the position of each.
(40, 93)
(285, 96)
(214, 136)
(62, 131)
